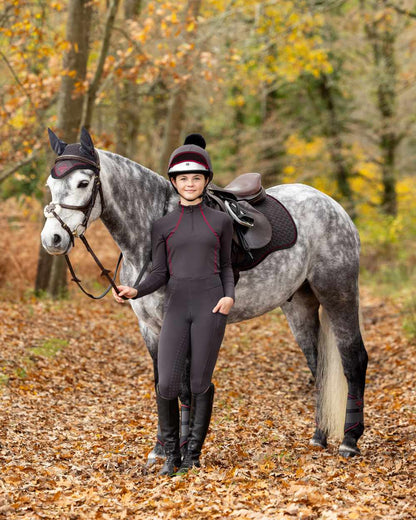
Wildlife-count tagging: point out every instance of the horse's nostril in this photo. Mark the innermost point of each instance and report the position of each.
(56, 239)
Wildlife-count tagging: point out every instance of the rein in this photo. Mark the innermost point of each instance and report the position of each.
(53, 208)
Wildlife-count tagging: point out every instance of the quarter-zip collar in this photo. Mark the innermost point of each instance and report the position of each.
(191, 208)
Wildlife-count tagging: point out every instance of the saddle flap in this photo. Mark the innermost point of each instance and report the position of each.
(256, 236)
(261, 233)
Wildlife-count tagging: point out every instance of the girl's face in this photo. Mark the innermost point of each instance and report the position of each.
(190, 185)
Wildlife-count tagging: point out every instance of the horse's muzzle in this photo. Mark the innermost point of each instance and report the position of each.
(57, 243)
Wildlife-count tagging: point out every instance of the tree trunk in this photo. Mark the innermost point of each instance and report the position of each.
(173, 126)
(51, 272)
(44, 261)
(128, 101)
(382, 37)
(238, 125)
(69, 103)
(270, 139)
(388, 140)
(177, 103)
(333, 132)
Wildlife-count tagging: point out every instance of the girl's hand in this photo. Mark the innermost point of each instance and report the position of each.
(224, 305)
(126, 291)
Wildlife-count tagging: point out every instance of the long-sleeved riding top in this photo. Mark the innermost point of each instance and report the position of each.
(190, 242)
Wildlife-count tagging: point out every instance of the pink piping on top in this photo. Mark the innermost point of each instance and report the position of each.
(170, 234)
(218, 239)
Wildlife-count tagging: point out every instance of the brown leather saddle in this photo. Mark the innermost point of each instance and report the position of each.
(261, 223)
(252, 229)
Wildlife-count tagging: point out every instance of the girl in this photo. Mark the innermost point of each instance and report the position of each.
(191, 252)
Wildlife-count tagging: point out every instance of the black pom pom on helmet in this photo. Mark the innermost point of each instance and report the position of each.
(196, 139)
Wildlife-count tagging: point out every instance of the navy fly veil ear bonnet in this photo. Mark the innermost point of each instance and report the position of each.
(75, 156)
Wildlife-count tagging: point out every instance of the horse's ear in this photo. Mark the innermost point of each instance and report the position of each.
(86, 141)
(57, 145)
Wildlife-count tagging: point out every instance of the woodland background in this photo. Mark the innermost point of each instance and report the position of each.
(318, 92)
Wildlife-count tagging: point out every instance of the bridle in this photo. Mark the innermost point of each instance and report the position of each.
(54, 207)
(52, 211)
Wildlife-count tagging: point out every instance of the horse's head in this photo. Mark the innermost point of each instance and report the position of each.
(75, 184)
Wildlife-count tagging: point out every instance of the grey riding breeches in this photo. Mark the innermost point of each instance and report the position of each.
(190, 327)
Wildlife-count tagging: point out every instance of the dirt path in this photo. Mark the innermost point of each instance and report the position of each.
(76, 428)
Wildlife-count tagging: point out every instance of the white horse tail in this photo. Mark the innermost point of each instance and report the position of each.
(331, 382)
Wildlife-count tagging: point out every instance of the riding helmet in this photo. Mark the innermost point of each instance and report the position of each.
(191, 157)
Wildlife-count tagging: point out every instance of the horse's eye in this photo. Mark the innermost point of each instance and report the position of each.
(83, 184)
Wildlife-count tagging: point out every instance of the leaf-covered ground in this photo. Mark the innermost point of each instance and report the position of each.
(78, 419)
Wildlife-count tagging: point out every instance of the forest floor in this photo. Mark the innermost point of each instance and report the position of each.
(79, 418)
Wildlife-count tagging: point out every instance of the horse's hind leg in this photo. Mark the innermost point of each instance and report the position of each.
(340, 304)
(151, 340)
(302, 313)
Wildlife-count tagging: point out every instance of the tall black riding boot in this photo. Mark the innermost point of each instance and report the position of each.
(168, 411)
(201, 410)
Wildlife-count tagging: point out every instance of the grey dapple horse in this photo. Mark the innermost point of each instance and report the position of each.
(315, 282)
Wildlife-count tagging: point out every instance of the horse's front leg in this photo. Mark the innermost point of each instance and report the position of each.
(185, 399)
(151, 339)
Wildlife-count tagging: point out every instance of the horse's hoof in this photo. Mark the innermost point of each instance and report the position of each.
(151, 459)
(319, 439)
(317, 443)
(348, 451)
(154, 457)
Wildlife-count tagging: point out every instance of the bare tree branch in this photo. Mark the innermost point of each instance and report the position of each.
(95, 83)
(400, 10)
(15, 77)
(12, 169)
(5, 14)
